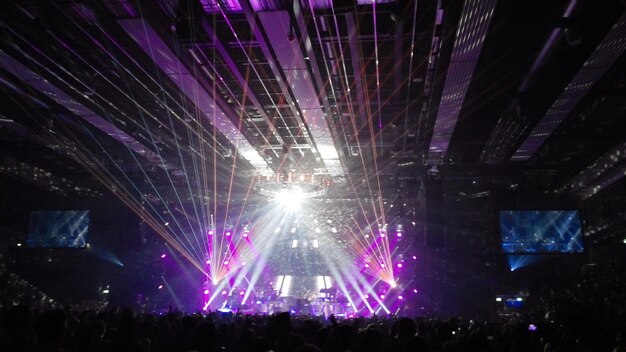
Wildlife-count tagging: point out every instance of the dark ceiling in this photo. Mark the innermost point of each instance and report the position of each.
(191, 98)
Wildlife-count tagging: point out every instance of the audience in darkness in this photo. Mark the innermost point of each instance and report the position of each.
(587, 315)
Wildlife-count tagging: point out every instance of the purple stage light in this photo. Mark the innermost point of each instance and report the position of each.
(224, 293)
(241, 293)
(367, 296)
(163, 255)
(206, 292)
(399, 265)
(382, 296)
(211, 232)
(208, 261)
(245, 235)
(399, 234)
(160, 287)
(382, 234)
(414, 257)
(400, 297)
(367, 265)
(226, 262)
(228, 233)
(414, 290)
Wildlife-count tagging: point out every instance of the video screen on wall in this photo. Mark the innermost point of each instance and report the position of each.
(58, 229)
(541, 232)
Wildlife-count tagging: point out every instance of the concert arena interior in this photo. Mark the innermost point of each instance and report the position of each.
(424, 175)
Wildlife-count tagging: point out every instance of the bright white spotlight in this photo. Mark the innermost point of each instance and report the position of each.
(290, 197)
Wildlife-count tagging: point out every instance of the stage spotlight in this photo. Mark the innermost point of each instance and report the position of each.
(399, 265)
(399, 234)
(498, 299)
(393, 284)
(206, 292)
(400, 297)
(160, 287)
(163, 255)
(290, 198)
(211, 232)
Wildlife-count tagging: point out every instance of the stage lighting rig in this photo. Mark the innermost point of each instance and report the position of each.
(291, 186)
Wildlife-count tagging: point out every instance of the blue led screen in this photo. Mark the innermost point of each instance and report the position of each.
(541, 231)
(58, 229)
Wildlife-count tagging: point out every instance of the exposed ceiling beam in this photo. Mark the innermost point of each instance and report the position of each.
(603, 57)
(606, 170)
(355, 55)
(240, 78)
(39, 83)
(150, 42)
(250, 10)
(470, 37)
(511, 126)
(293, 66)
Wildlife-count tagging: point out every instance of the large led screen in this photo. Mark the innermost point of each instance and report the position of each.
(58, 229)
(541, 231)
